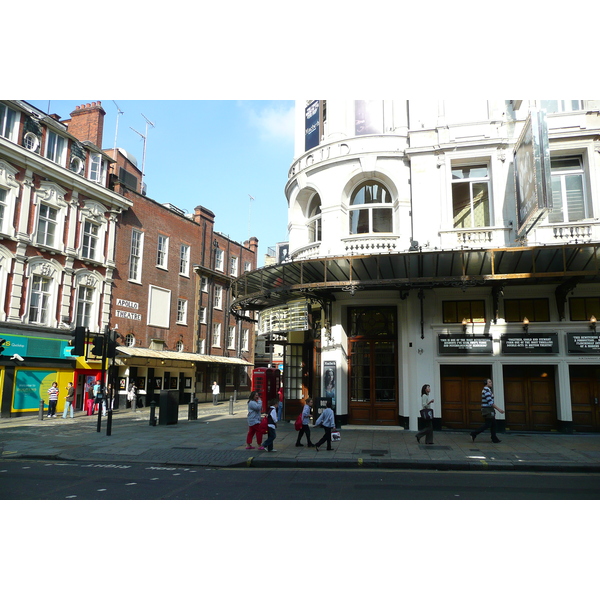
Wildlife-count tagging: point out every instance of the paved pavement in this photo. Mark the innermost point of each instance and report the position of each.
(217, 439)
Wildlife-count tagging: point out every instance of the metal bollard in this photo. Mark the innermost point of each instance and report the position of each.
(152, 411)
(230, 405)
(193, 410)
(41, 415)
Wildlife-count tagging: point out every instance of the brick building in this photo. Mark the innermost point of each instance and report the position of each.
(171, 296)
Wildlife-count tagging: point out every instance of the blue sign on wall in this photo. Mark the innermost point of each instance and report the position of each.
(312, 130)
(35, 347)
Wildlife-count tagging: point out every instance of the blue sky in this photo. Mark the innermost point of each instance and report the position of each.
(214, 153)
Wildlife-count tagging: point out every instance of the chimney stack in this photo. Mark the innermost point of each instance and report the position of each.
(87, 123)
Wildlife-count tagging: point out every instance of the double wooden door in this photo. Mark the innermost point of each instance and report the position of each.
(530, 398)
(461, 395)
(373, 398)
(585, 397)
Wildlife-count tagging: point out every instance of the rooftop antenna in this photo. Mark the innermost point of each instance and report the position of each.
(119, 113)
(249, 214)
(144, 137)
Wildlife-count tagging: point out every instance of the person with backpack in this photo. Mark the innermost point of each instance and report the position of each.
(272, 425)
(305, 421)
(254, 419)
(327, 419)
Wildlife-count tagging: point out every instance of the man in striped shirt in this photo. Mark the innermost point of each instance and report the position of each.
(488, 410)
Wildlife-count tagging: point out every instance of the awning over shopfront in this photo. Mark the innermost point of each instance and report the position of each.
(278, 284)
(173, 357)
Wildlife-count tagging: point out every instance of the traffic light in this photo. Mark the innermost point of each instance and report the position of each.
(2, 342)
(112, 344)
(98, 345)
(78, 342)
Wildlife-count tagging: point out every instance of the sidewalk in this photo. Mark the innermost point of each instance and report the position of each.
(217, 439)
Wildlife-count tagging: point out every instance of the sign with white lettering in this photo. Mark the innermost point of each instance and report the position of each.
(127, 304)
(583, 343)
(128, 315)
(465, 344)
(286, 317)
(524, 343)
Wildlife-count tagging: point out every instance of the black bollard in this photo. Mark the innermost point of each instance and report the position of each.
(41, 415)
(109, 422)
(152, 411)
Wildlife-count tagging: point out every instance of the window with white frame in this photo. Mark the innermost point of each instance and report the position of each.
(233, 266)
(130, 340)
(218, 297)
(162, 251)
(370, 209)
(90, 240)
(184, 259)
(85, 306)
(182, 310)
(560, 106)
(202, 314)
(245, 339)
(3, 209)
(203, 284)
(9, 190)
(76, 165)
(216, 335)
(40, 299)
(569, 198)
(313, 222)
(135, 255)
(47, 225)
(231, 337)
(56, 147)
(8, 122)
(247, 267)
(31, 141)
(97, 169)
(471, 196)
(179, 346)
(218, 259)
(202, 346)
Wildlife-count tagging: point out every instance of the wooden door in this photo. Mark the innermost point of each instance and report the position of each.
(373, 398)
(530, 398)
(461, 395)
(585, 397)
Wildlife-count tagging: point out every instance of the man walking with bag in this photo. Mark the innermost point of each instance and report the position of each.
(488, 410)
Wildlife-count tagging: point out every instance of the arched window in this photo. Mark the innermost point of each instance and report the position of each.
(314, 219)
(370, 210)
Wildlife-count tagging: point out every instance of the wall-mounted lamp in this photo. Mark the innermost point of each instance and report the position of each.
(464, 324)
(162, 362)
(526, 325)
(593, 323)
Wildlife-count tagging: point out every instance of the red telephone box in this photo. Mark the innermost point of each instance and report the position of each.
(266, 382)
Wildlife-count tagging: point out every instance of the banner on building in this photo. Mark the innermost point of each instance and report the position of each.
(525, 343)
(465, 344)
(533, 184)
(312, 125)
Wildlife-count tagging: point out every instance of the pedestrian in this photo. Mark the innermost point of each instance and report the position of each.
(99, 397)
(280, 404)
(488, 410)
(327, 419)
(272, 425)
(132, 396)
(216, 390)
(305, 421)
(52, 399)
(69, 400)
(254, 419)
(427, 415)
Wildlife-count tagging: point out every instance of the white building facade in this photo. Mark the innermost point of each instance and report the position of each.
(442, 243)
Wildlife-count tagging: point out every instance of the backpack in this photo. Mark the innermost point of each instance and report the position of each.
(298, 423)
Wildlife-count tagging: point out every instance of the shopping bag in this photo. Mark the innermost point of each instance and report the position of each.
(298, 423)
(335, 436)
